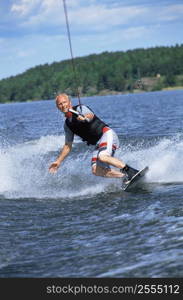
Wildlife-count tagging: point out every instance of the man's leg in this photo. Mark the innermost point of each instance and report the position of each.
(103, 158)
(113, 161)
(107, 147)
(127, 171)
(106, 172)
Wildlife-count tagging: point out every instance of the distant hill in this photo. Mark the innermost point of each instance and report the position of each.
(109, 72)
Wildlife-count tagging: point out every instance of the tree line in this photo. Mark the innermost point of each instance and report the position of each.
(145, 69)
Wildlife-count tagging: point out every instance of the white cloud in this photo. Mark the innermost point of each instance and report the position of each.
(91, 15)
(81, 13)
(24, 7)
(172, 12)
(39, 12)
(101, 16)
(135, 32)
(26, 53)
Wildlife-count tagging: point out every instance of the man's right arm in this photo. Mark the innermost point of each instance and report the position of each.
(63, 154)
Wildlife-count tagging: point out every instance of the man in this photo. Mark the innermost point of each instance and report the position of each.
(94, 131)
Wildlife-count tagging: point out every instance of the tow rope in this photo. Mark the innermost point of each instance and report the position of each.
(71, 53)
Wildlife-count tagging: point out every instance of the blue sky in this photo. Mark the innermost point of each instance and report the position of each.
(33, 32)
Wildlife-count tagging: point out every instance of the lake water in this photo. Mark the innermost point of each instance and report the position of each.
(73, 224)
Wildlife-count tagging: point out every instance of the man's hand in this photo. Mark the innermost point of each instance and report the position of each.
(64, 152)
(81, 118)
(86, 117)
(54, 167)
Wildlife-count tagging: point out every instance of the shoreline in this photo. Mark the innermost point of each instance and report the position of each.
(136, 91)
(105, 93)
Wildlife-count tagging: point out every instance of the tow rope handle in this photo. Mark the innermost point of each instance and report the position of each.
(78, 114)
(75, 112)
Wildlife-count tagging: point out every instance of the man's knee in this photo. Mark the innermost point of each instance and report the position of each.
(94, 170)
(98, 171)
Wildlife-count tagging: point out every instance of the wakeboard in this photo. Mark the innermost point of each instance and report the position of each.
(137, 177)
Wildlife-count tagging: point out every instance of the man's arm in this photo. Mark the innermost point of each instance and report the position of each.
(63, 154)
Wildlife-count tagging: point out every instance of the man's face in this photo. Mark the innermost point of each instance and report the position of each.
(63, 104)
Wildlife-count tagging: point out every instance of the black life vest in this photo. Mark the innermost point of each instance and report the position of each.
(90, 132)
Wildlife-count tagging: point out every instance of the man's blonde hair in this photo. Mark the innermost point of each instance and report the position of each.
(63, 95)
